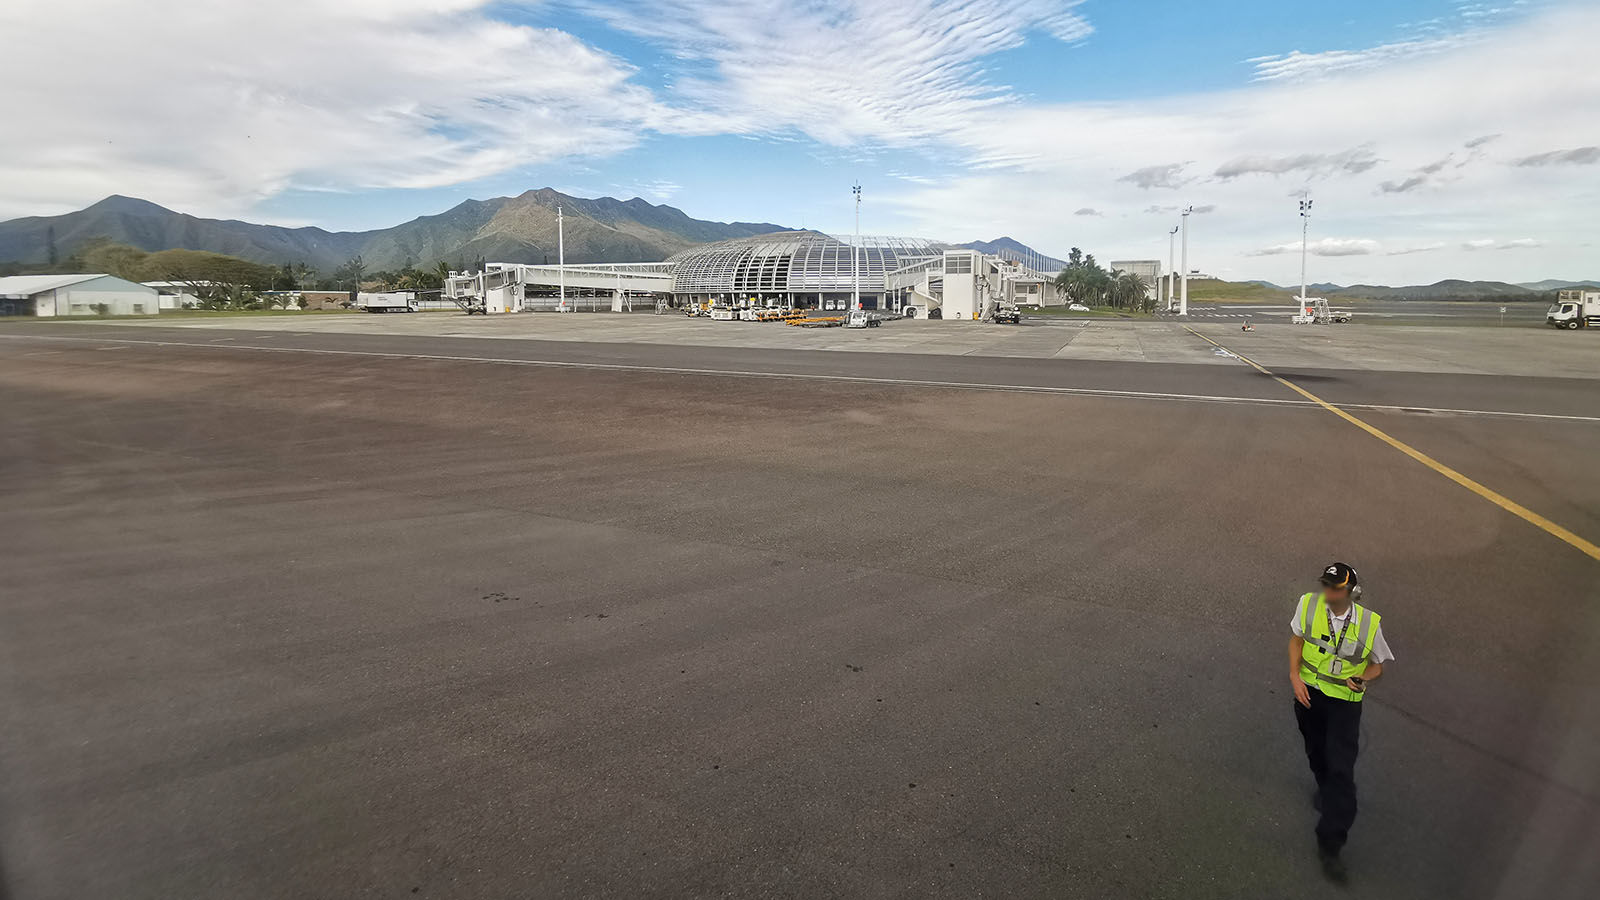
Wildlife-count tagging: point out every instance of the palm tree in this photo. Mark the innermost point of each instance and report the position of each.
(1134, 289)
(1127, 289)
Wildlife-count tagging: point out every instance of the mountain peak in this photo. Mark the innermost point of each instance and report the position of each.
(118, 203)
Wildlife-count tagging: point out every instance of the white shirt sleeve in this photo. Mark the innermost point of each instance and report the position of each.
(1294, 620)
(1380, 647)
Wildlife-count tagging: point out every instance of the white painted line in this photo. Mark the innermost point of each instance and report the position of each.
(848, 379)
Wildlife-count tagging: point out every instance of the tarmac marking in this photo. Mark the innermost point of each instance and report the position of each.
(855, 379)
(1500, 500)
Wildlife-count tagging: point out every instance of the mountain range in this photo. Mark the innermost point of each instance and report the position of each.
(523, 229)
(504, 229)
(1011, 248)
(1448, 289)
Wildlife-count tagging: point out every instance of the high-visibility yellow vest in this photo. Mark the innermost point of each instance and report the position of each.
(1324, 665)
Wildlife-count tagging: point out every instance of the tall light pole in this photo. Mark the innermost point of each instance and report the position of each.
(1305, 229)
(561, 257)
(1172, 263)
(855, 253)
(1183, 299)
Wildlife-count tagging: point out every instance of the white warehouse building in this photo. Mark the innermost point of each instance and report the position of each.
(76, 295)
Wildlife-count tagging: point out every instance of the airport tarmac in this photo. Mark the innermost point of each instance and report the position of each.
(1399, 348)
(315, 611)
(1391, 312)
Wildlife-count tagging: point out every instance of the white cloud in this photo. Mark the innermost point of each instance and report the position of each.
(1089, 211)
(1581, 156)
(1166, 175)
(212, 112)
(836, 71)
(1325, 247)
(1531, 90)
(1421, 248)
(1297, 65)
(1353, 161)
(1470, 24)
(1492, 244)
(659, 190)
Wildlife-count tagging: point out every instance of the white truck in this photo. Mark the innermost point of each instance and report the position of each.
(1574, 309)
(389, 301)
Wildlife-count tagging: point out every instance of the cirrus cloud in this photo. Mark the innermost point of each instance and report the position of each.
(1581, 156)
(1353, 162)
(1325, 247)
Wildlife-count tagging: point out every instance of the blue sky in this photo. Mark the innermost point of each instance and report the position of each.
(1439, 137)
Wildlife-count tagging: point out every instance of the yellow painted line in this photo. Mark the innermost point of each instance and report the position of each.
(1500, 500)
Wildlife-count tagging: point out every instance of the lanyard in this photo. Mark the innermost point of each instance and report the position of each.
(1350, 616)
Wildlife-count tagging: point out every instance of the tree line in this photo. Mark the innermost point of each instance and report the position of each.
(1085, 281)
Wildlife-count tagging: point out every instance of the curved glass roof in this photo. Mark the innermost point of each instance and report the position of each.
(790, 262)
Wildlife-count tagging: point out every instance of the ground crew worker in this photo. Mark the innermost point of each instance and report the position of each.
(1335, 654)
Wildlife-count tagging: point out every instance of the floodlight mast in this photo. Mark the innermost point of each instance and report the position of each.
(561, 257)
(1305, 228)
(1172, 263)
(1183, 300)
(855, 253)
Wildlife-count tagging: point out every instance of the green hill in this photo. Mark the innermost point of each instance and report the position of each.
(504, 229)
(1211, 291)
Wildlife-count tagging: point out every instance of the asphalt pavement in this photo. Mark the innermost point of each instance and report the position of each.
(371, 616)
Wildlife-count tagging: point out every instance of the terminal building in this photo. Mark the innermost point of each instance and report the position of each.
(789, 269)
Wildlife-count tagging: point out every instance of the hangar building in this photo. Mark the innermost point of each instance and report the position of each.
(76, 295)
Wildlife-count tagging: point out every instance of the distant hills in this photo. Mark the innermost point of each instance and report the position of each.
(1448, 289)
(1013, 249)
(1554, 284)
(504, 229)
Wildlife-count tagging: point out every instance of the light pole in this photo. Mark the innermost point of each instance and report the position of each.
(855, 253)
(561, 257)
(1183, 299)
(1172, 263)
(1305, 229)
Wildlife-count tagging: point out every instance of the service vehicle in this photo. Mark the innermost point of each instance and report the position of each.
(860, 318)
(1008, 315)
(1574, 309)
(724, 314)
(391, 301)
(1312, 311)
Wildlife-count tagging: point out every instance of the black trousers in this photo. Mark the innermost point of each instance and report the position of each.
(1332, 730)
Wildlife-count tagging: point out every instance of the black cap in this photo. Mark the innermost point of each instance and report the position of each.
(1339, 575)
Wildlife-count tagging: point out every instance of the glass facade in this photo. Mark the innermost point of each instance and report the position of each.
(792, 262)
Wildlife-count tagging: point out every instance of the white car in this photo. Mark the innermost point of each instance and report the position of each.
(1078, 307)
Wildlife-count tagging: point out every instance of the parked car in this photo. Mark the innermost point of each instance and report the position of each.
(1077, 307)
